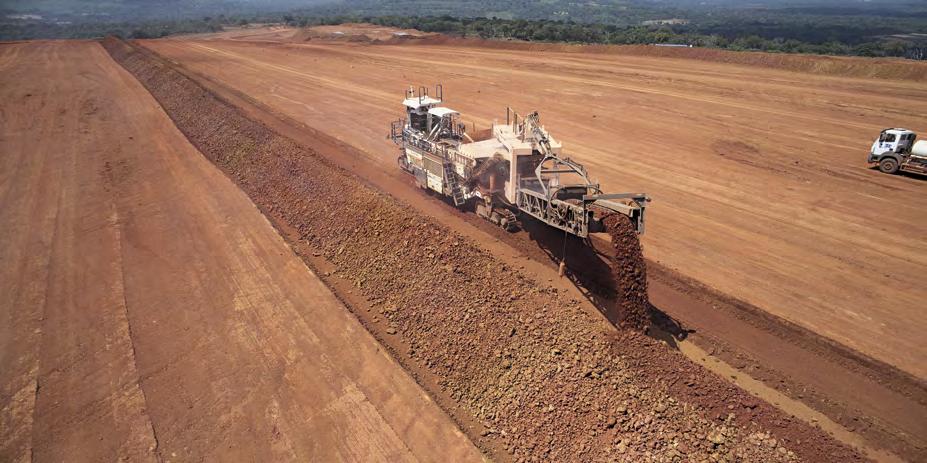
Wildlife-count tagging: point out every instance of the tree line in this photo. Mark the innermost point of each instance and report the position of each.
(828, 38)
(572, 32)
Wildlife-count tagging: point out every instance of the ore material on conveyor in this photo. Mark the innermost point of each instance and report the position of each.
(630, 272)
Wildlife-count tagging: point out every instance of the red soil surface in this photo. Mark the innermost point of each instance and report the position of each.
(838, 66)
(757, 185)
(545, 377)
(151, 313)
(758, 175)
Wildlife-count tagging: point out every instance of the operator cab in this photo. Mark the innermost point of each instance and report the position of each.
(893, 141)
(444, 125)
(417, 107)
(429, 120)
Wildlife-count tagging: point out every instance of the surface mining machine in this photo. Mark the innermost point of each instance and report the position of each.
(513, 168)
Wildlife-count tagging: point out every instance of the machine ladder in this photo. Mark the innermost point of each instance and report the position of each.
(451, 177)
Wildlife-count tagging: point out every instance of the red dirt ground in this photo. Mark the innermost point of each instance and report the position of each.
(151, 313)
(154, 314)
(758, 175)
(753, 227)
(546, 375)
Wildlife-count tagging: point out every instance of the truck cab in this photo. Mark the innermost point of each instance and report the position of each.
(891, 149)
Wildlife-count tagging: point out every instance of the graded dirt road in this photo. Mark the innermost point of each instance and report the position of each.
(759, 180)
(150, 312)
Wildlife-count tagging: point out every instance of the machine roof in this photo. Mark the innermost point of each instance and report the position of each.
(441, 111)
(482, 149)
(417, 102)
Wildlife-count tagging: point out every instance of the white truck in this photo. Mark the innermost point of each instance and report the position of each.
(897, 150)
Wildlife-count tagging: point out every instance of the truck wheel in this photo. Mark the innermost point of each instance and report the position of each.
(888, 165)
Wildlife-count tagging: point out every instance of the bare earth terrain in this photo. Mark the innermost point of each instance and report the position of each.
(206, 256)
(149, 310)
(760, 173)
(529, 370)
(758, 176)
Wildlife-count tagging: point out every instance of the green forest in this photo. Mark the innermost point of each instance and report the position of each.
(715, 37)
(886, 28)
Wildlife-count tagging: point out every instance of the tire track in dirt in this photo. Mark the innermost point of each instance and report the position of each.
(484, 70)
(133, 367)
(54, 310)
(25, 254)
(888, 69)
(9, 54)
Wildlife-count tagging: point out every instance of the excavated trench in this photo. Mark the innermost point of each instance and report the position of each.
(544, 377)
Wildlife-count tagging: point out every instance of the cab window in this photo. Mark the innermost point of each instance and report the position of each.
(888, 138)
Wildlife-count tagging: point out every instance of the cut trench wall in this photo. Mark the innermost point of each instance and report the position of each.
(548, 379)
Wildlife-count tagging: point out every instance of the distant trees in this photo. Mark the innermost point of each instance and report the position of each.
(568, 31)
(830, 32)
(135, 30)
